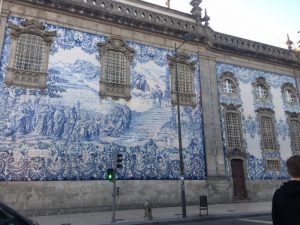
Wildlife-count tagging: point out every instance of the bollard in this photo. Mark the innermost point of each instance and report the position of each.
(148, 210)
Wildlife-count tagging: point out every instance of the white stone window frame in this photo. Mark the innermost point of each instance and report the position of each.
(272, 160)
(232, 109)
(289, 87)
(267, 113)
(20, 75)
(108, 87)
(228, 76)
(261, 82)
(185, 98)
(294, 117)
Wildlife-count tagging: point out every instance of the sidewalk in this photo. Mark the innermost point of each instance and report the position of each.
(163, 214)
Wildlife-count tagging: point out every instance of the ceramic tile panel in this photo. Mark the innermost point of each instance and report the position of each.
(68, 132)
(246, 99)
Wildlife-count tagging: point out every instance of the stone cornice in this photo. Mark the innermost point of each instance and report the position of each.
(143, 19)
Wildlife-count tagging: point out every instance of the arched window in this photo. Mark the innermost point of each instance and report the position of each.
(228, 84)
(289, 94)
(116, 57)
(261, 89)
(30, 49)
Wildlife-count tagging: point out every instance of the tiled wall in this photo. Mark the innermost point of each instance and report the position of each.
(250, 126)
(69, 132)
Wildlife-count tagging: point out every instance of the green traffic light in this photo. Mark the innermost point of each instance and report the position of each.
(110, 174)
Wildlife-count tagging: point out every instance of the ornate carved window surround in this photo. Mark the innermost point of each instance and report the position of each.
(229, 84)
(233, 132)
(29, 49)
(289, 94)
(185, 72)
(294, 128)
(115, 58)
(262, 90)
(268, 133)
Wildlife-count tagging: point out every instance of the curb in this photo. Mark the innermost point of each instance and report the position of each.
(193, 219)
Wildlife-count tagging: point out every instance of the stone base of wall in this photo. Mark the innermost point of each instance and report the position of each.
(262, 190)
(64, 197)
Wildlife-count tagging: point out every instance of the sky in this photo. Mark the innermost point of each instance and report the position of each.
(266, 21)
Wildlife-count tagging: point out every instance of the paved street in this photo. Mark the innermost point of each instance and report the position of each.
(169, 214)
(260, 220)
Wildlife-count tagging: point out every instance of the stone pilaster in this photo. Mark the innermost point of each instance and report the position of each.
(218, 184)
(3, 20)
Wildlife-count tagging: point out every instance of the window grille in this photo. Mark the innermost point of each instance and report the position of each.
(267, 131)
(116, 65)
(289, 96)
(272, 165)
(228, 86)
(233, 130)
(261, 91)
(295, 134)
(184, 78)
(29, 54)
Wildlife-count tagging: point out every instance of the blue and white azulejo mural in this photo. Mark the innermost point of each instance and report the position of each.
(67, 132)
(248, 104)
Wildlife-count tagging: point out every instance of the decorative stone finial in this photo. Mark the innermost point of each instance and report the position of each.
(168, 3)
(289, 43)
(196, 12)
(206, 19)
(298, 48)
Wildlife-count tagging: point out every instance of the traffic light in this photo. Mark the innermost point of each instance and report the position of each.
(110, 174)
(119, 160)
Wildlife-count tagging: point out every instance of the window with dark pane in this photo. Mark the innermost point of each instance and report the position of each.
(116, 65)
(295, 134)
(267, 132)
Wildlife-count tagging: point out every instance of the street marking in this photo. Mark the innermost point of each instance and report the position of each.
(256, 221)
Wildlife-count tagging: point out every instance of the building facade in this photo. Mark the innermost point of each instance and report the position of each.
(82, 80)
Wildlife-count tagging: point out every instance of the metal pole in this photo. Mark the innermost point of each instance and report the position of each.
(113, 219)
(183, 204)
(114, 191)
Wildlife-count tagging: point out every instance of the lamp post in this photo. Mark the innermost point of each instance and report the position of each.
(187, 37)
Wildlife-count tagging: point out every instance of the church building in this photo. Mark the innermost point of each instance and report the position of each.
(82, 81)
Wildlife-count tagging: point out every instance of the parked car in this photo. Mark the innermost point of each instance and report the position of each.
(9, 216)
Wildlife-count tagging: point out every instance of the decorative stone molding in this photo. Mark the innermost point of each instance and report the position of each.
(289, 87)
(29, 78)
(187, 99)
(115, 90)
(196, 12)
(236, 154)
(139, 18)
